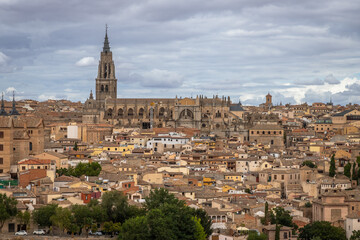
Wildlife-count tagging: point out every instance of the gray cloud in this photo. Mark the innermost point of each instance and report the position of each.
(238, 48)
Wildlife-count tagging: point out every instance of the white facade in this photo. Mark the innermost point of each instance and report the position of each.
(167, 141)
(351, 224)
(72, 132)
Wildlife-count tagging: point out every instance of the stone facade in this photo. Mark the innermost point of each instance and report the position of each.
(207, 114)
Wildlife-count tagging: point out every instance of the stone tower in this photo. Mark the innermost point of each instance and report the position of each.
(106, 83)
(268, 100)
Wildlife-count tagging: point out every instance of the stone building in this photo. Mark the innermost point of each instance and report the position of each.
(267, 134)
(19, 137)
(207, 114)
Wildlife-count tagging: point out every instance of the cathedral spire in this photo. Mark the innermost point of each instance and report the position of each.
(106, 47)
(13, 110)
(2, 110)
(91, 94)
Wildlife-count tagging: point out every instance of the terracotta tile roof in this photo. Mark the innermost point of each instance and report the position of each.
(35, 161)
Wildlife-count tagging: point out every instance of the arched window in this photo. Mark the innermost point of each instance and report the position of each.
(106, 88)
(141, 112)
(218, 114)
(120, 112)
(130, 112)
(102, 88)
(30, 146)
(161, 112)
(109, 112)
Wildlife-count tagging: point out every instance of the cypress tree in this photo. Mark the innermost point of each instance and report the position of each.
(332, 166)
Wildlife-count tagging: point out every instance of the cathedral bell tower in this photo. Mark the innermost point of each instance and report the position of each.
(106, 83)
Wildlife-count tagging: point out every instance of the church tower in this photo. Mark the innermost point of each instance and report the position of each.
(106, 83)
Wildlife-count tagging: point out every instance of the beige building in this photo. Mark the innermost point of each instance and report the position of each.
(19, 137)
(267, 134)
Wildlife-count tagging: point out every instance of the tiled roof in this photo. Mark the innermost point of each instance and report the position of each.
(35, 161)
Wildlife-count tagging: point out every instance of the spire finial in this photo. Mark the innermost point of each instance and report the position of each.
(91, 94)
(106, 42)
(13, 110)
(2, 110)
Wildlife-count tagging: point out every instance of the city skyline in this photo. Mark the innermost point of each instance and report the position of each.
(299, 52)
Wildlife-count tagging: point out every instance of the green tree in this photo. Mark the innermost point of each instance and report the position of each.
(108, 227)
(254, 236)
(280, 216)
(43, 215)
(322, 230)
(83, 217)
(277, 232)
(7, 209)
(355, 235)
(267, 217)
(332, 168)
(116, 207)
(309, 163)
(135, 229)
(308, 205)
(205, 220)
(159, 197)
(347, 170)
(75, 147)
(63, 219)
(23, 218)
(199, 233)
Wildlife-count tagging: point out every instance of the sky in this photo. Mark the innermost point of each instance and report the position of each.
(298, 51)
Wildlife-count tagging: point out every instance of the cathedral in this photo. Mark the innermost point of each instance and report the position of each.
(206, 114)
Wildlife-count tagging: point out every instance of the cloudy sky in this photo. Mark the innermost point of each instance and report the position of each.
(299, 51)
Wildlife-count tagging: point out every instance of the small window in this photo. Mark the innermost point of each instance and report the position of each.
(1, 161)
(1, 147)
(1, 170)
(1, 134)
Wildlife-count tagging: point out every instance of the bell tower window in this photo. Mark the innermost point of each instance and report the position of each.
(106, 88)
(102, 88)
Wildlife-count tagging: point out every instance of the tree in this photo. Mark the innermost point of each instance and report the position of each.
(63, 219)
(75, 147)
(205, 220)
(266, 220)
(355, 235)
(280, 216)
(23, 218)
(309, 163)
(7, 209)
(116, 207)
(83, 217)
(254, 236)
(322, 230)
(199, 233)
(347, 170)
(135, 229)
(108, 227)
(332, 168)
(43, 215)
(159, 197)
(308, 205)
(277, 232)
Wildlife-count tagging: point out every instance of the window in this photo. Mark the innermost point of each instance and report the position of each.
(1, 134)
(1, 147)
(1, 161)
(285, 235)
(30, 146)
(282, 177)
(1, 170)
(23, 168)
